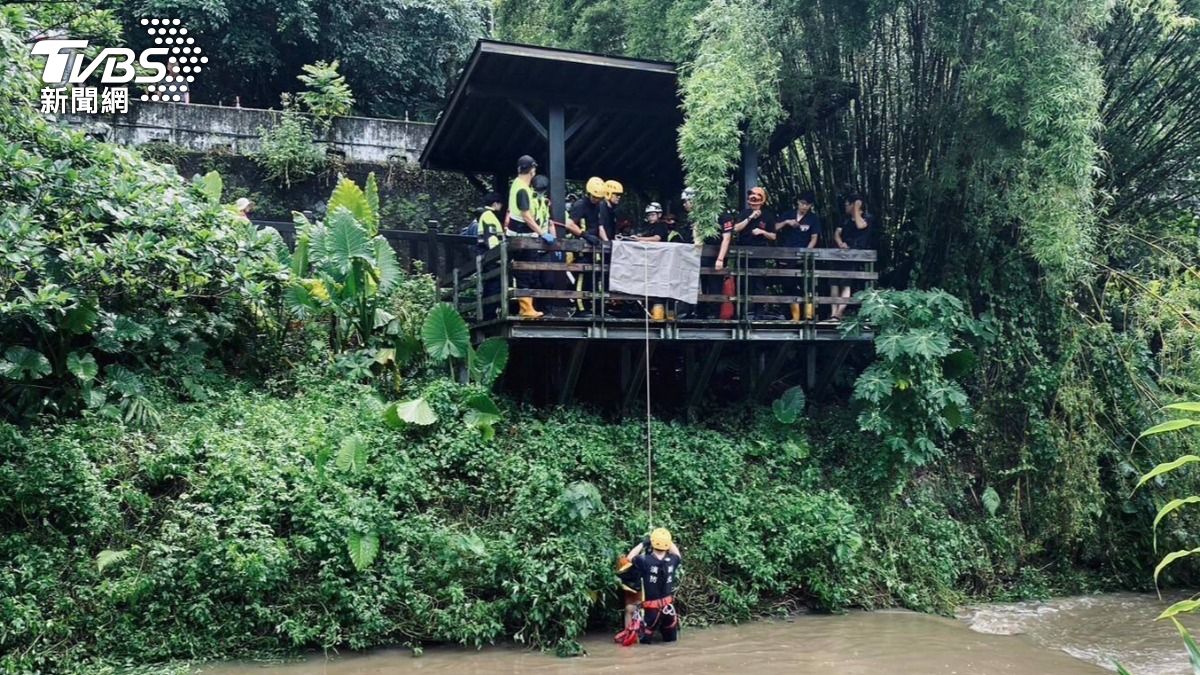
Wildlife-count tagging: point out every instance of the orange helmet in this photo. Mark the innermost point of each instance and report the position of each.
(756, 197)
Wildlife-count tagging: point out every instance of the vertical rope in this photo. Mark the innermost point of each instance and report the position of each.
(649, 449)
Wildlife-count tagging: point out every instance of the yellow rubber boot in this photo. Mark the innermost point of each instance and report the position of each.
(809, 311)
(527, 310)
(658, 313)
(795, 311)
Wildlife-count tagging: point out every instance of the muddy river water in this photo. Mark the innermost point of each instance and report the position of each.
(1063, 636)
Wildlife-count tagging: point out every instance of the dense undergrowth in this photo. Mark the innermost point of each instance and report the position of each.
(221, 532)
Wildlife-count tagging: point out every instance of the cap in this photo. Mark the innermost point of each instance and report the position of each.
(492, 198)
(541, 183)
(525, 163)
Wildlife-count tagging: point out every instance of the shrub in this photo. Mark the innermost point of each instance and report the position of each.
(110, 263)
(287, 152)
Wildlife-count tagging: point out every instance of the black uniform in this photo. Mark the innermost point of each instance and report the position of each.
(659, 576)
(586, 214)
(797, 236)
(856, 239)
(648, 229)
(764, 221)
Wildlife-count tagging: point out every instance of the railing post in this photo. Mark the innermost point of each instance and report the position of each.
(479, 287)
(454, 293)
(504, 278)
(435, 262)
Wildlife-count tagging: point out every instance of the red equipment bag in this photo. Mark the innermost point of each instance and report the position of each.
(727, 289)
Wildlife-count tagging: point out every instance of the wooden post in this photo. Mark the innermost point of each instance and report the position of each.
(578, 351)
(504, 279)
(558, 163)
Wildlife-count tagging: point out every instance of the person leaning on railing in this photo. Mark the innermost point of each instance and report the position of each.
(583, 219)
(800, 229)
(856, 232)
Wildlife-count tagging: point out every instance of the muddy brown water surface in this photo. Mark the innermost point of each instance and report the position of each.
(1066, 636)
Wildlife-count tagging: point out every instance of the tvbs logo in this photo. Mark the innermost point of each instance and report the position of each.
(166, 71)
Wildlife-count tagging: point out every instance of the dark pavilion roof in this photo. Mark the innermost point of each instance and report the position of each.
(622, 115)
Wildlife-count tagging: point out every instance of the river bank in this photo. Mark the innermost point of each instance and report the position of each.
(1066, 636)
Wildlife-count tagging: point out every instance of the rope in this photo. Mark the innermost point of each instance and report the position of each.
(649, 447)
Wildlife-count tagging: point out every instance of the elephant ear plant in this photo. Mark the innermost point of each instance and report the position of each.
(343, 270)
(446, 337)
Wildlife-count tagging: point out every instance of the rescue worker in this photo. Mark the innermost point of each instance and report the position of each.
(653, 230)
(722, 284)
(800, 229)
(608, 210)
(551, 279)
(490, 232)
(584, 217)
(522, 221)
(755, 227)
(856, 232)
(659, 570)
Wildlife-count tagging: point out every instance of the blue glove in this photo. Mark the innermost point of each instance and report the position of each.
(548, 237)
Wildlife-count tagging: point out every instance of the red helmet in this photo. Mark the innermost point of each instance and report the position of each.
(756, 197)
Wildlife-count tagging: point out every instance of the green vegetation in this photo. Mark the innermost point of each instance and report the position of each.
(287, 152)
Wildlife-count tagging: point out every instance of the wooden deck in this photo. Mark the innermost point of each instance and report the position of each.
(762, 277)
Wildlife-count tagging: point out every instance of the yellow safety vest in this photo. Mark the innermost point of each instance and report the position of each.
(490, 229)
(515, 222)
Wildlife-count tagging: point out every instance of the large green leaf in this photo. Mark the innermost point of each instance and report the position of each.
(1172, 557)
(788, 407)
(1165, 467)
(82, 317)
(581, 500)
(212, 186)
(352, 454)
(416, 411)
(1167, 509)
(991, 500)
(345, 242)
(482, 414)
(349, 196)
(24, 363)
(106, 558)
(1181, 607)
(445, 333)
(82, 366)
(363, 548)
(489, 360)
(1186, 406)
(1192, 650)
(1169, 425)
(387, 268)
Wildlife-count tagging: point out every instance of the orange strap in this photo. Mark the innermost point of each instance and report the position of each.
(658, 604)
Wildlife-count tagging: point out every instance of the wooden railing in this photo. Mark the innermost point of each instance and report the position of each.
(436, 252)
(765, 282)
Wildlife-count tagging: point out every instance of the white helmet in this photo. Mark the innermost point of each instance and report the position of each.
(654, 207)
(687, 195)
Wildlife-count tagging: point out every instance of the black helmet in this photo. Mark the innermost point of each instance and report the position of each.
(541, 183)
(525, 163)
(492, 198)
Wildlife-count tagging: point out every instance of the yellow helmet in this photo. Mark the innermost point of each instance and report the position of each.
(612, 187)
(596, 187)
(660, 539)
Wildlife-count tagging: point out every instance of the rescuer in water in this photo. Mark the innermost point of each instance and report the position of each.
(658, 570)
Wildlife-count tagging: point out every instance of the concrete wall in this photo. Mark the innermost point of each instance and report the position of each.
(235, 130)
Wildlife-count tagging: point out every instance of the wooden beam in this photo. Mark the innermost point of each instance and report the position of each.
(637, 377)
(581, 118)
(706, 370)
(530, 118)
(770, 371)
(574, 366)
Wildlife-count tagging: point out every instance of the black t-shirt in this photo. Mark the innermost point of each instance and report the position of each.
(608, 218)
(798, 236)
(658, 576)
(648, 229)
(763, 221)
(856, 238)
(586, 214)
(725, 223)
(522, 203)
